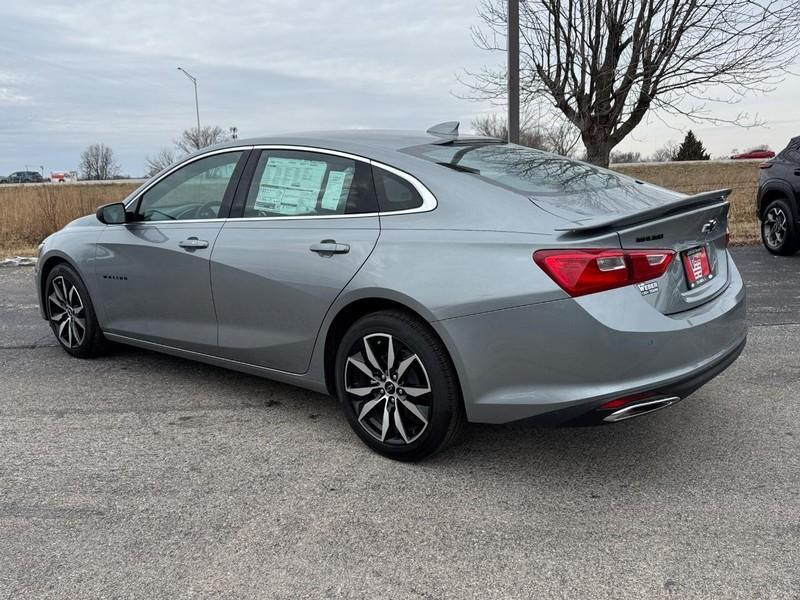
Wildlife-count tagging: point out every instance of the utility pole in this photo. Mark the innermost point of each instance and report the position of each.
(513, 71)
(196, 103)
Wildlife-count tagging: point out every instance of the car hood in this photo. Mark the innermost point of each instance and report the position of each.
(87, 221)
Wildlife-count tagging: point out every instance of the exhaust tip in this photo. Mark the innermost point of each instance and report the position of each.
(640, 408)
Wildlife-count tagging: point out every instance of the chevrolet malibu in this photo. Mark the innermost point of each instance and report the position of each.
(426, 280)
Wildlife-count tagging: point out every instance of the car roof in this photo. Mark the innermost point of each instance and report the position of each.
(370, 143)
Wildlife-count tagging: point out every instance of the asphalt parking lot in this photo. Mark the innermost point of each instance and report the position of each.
(142, 475)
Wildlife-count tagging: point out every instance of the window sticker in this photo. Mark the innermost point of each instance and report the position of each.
(290, 186)
(333, 191)
(286, 202)
(294, 173)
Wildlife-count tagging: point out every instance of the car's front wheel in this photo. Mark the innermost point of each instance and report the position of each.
(71, 313)
(778, 229)
(398, 386)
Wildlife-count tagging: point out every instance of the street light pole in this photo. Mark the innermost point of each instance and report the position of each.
(513, 71)
(196, 103)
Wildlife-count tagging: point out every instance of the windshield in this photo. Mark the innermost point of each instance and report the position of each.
(521, 169)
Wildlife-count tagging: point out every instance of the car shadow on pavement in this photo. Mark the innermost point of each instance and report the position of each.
(672, 445)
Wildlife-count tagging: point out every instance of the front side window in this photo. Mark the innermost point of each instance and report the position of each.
(293, 183)
(195, 191)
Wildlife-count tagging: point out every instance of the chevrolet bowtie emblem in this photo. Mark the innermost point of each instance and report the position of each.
(710, 226)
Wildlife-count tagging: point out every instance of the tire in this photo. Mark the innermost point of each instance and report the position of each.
(71, 313)
(778, 229)
(413, 425)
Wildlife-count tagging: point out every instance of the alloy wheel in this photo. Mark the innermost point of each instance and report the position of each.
(389, 389)
(775, 227)
(66, 311)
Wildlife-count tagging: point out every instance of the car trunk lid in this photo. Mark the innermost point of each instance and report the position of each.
(695, 227)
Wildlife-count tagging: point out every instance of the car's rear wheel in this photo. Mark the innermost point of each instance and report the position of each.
(398, 386)
(778, 229)
(71, 313)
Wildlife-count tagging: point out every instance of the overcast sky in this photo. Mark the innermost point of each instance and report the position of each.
(105, 71)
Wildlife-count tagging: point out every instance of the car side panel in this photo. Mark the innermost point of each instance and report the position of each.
(455, 273)
(441, 274)
(271, 292)
(152, 289)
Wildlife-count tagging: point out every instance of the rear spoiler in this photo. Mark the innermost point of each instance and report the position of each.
(624, 220)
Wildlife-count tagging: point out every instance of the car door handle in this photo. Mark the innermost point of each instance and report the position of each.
(797, 171)
(193, 243)
(330, 247)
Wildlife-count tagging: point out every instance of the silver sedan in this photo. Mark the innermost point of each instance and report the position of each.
(424, 279)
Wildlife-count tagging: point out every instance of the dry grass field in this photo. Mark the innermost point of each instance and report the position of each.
(29, 213)
(692, 177)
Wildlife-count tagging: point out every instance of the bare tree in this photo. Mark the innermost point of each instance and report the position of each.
(563, 138)
(159, 162)
(97, 162)
(195, 139)
(625, 157)
(554, 135)
(494, 125)
(666, 153)
(605, 63)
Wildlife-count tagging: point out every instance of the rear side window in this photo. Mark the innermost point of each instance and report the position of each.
(394, 192)
(292, 183)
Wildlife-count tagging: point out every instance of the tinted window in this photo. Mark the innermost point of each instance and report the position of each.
(395, 193)
(521, 169)
(791, 153)
(290, 183)
(195, 191)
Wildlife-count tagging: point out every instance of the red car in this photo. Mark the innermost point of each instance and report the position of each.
(754, 154)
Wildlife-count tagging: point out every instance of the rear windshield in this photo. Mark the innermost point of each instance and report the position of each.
(521, 169)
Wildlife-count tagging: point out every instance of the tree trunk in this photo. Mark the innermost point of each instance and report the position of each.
(598, 150)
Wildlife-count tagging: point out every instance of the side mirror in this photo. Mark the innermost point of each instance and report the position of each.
(112, 214)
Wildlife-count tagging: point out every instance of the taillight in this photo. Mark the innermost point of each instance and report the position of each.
(765, 165)
(581, 272)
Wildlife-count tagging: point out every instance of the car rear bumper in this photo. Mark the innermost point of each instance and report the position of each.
(559, 361)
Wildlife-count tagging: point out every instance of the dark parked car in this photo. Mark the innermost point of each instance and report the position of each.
(25, 177)
(778, 196)
(3, 179)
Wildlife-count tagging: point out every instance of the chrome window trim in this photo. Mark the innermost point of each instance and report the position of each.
(429, 201)
(176, 221)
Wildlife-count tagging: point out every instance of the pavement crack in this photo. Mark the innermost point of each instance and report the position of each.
(33, 346)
